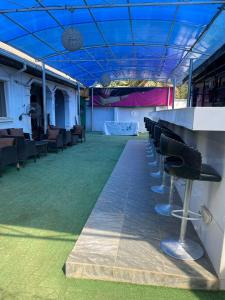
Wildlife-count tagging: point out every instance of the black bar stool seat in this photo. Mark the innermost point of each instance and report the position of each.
(208, 173)
(173, 166)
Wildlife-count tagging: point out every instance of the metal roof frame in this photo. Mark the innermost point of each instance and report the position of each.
(112, 62)
(113, 5)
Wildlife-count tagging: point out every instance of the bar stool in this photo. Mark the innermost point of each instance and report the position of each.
(164, 209)
(190, 168)
(155, 142)
(149, 126)
(158, 157)
(151, 153)
(146, 122)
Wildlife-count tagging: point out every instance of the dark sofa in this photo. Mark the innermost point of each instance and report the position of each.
(8, 153)
(25, 147)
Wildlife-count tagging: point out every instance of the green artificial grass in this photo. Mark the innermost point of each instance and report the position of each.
(43, 209)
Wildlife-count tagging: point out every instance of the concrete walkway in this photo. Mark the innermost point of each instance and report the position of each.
(120, 241)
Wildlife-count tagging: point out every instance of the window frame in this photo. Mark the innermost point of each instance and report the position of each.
(6, 84)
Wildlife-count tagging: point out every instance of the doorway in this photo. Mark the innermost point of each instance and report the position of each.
(36, 105)
(59, 109)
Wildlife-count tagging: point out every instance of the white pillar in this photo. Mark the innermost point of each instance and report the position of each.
(189, 99)
(53, 108)
(92, 110)
(78, 103)
(174, 92)
(72, 108)
(44, 96)
(27, 121)
(168, 98)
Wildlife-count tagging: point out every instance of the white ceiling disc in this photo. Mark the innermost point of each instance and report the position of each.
(105, 80)
(72, 39)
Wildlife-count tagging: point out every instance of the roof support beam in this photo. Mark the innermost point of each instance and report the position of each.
(73, 7)
(177, 47)
(169, 38)
(100, 30)
(118, 59)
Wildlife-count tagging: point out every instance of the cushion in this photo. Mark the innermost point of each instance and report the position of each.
(5, 142)
(53, 133)
(16, 132)
(3, 132)
(53, 127)
(78, 129)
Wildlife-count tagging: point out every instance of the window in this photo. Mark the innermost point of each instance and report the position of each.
(2, 100)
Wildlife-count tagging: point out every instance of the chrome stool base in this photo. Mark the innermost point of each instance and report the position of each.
(186, 250)
(150, 155)
(153, 163)
(149, 151)
(160, 189)
(156, 174)
(165, 209)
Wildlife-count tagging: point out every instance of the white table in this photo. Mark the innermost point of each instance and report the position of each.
(121, 128)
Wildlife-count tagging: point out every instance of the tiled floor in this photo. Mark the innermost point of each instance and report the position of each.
(120, 241)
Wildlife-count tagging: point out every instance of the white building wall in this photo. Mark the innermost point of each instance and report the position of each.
(17, 92)
(101, 114)
(125, 114)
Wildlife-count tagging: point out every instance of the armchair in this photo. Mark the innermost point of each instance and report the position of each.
(54, 138)
(8, 153)
(25, 148)
(79, 131)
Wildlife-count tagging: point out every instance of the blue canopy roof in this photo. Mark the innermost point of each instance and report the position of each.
(127, 39)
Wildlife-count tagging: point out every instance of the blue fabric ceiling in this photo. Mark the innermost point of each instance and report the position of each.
(123, 38)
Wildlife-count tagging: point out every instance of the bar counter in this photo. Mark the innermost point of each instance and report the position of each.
(204, 128)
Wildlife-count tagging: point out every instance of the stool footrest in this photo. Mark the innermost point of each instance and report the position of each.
(192, 216)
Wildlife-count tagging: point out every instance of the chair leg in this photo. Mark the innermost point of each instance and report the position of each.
(158, 173)
(182, 248)
(165, 209)
(161, 189)
(149, 152)
(153, 155)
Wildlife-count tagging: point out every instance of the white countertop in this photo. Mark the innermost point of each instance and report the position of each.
(194, 118)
